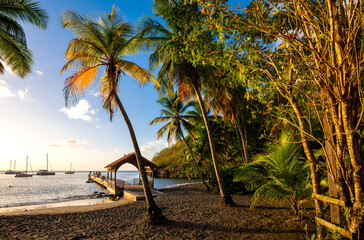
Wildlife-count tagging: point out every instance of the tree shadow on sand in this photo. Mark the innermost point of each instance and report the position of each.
(221, 228)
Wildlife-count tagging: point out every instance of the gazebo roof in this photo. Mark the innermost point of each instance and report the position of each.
(129, 158)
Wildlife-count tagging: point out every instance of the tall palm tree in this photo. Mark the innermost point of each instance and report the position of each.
(13, 50)
(102, 43)
(177, 70)
(176, 119)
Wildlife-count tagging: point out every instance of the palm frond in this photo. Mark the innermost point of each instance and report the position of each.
(26, 11)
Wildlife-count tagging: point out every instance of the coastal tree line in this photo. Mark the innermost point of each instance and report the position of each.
(265, 97)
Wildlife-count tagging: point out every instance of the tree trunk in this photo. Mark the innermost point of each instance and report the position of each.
(225, 197)
(194, 161)
(239, 141)
(242, 135)
(154, 213)
(311, 159)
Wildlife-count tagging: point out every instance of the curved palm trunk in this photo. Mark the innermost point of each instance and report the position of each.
(193, 160)
(225, 197)
(154, 213)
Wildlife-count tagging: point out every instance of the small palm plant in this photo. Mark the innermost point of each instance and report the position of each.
(279, 175)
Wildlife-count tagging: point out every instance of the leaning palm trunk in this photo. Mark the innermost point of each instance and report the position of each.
(154, 213)
(225, 197)
(193, 160)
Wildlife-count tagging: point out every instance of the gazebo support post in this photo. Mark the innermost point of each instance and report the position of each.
(115, 182)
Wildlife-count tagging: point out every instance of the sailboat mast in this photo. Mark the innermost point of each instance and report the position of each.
(10, 164)
(26, 167)
(47, 161)
(14, 164)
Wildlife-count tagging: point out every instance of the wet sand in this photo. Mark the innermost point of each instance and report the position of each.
(192, 212)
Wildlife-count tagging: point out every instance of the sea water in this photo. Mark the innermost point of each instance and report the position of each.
(60, 187)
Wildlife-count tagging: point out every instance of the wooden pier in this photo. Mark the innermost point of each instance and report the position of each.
(119, 187)
(125, 189)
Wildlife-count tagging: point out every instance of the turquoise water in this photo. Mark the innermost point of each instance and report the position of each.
(60, 187)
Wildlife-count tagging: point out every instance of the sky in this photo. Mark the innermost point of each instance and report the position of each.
(34, 120)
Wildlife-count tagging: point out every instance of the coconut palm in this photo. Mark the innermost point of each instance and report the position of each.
(177, 70)
(14, 51)
(231, 103)
(102, 43)
(279, 175)
(173, 113)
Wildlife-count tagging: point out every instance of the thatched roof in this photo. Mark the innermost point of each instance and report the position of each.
(129, 158)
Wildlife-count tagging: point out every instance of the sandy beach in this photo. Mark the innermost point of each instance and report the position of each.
(192, 212)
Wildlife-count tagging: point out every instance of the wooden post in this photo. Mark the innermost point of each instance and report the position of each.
(334, 209)
(115, 182)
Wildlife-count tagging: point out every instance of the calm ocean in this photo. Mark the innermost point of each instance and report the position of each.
(60, 187)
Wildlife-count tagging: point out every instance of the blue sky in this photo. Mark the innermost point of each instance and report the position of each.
(34, 120)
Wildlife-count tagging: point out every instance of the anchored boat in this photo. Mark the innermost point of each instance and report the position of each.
(21, 174)
(70, 171)
(44, 172)
(12, 171)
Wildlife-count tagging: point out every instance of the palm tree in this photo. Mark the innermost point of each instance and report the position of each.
(177, 70)
(231, 103)
(14, 51)
(279, 175)
(174, 113)
(103, 43)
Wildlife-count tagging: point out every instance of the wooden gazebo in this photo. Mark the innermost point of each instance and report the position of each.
(131, 159)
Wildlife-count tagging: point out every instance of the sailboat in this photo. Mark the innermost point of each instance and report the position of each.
(10, 171)
(70, 171)
(26, 171)
(44, 172)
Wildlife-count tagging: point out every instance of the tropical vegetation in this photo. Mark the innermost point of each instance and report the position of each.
(14, 51)
(260, 69)
(279, 174)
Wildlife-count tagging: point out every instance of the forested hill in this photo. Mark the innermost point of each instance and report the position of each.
(173, 163)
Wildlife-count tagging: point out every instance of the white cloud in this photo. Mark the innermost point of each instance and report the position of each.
(71, 143)
(23, 94)
(39, 73)
(87, 142)
(150, 148)
(118, 151)
(81, 111)
(97, 119)
(97, 126)
(95, 94)
(5, 90)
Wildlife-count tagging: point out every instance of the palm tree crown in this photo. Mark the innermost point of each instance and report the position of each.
(176, 114)
(14, 51)
(100, 44)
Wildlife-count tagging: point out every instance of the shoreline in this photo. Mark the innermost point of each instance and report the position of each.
(75, 206)
(72, 206)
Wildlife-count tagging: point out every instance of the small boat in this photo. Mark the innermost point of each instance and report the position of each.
(70, 171)
(45, 172)
(26, 171)
(12, 171)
